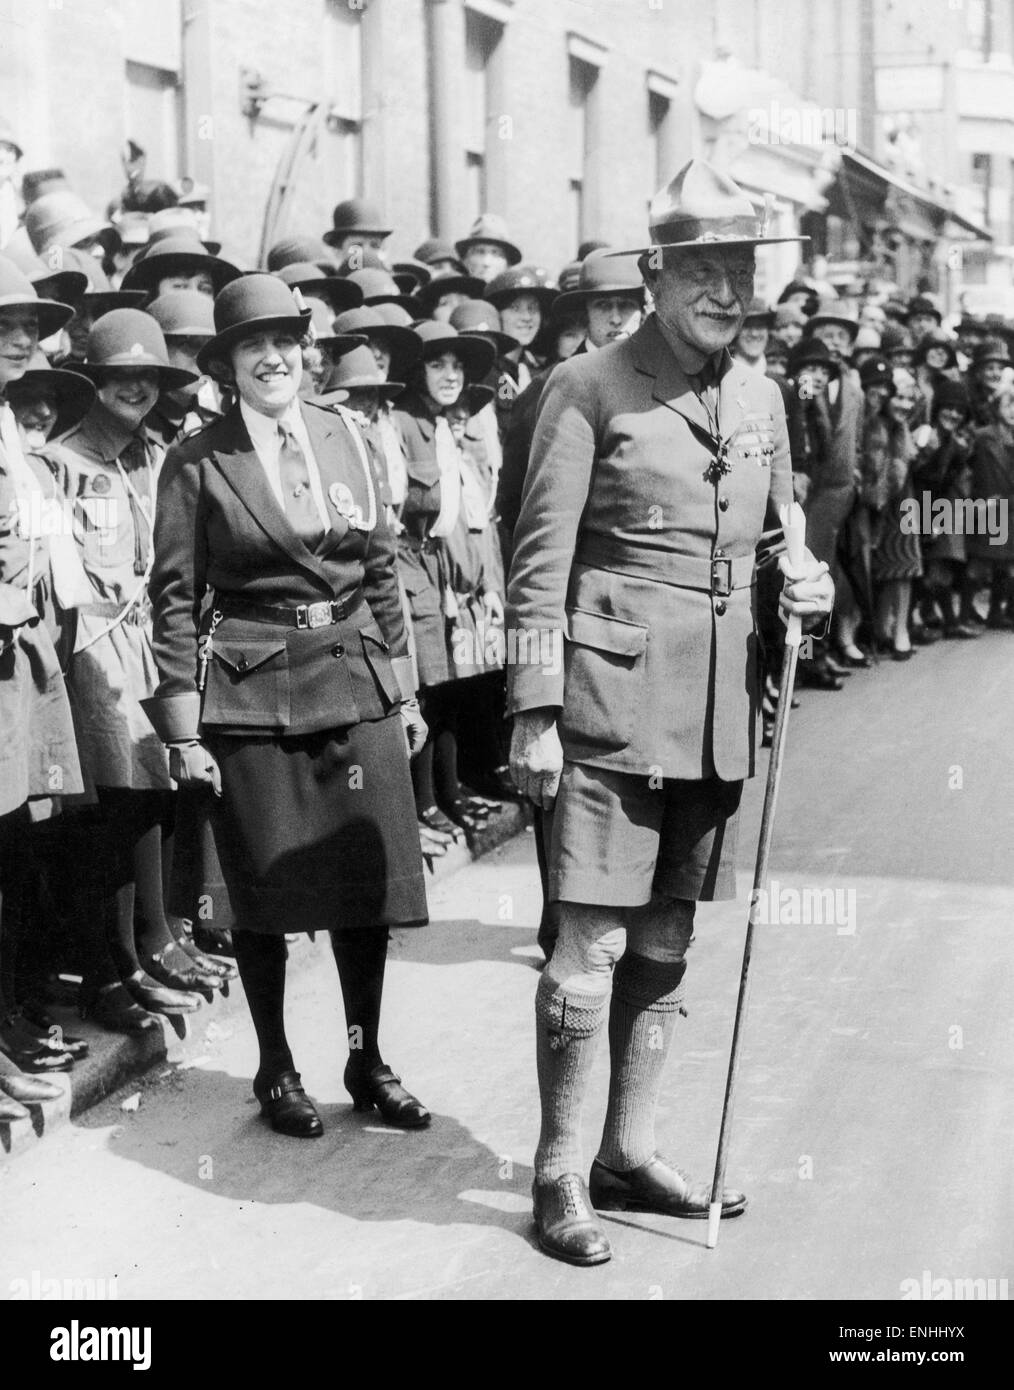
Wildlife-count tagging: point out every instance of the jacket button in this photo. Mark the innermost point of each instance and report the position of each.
(720, 607)
(723, 504)
(242, 664)
(337, 649)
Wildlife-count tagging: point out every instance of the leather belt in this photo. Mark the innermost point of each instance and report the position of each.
(718, 576)
(306, 615)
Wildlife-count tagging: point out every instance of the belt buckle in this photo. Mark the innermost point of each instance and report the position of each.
(721, 576)
(314, 614)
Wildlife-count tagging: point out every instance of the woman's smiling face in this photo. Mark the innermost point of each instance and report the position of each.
(129, 393)
(268, 368)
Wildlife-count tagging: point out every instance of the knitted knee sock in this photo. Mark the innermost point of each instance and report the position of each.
(647, 999)
(567, 1028)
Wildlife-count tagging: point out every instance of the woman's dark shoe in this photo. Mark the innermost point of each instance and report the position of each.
(436, 820)
(40, 1024)
(29, 1090)
(174, 968)
(288, 1107)
(817, 677)
(113, 1008)
(213, 941)
(158, 998)
(858, 663)
(380, 1088)
(906, 655)
(925, 636)
(30, 1052)
(657, 1186)
(565, 1222)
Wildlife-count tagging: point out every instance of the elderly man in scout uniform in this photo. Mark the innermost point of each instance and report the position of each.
(656, 465)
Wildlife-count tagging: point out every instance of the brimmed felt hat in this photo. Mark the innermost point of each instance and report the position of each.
(176, 254)
(935, 338)
(895, 338)
(18, 292)
(475, 354)
(492, 228)
(600, 273)
(429, 295)
(833, 311)
(64, 285)
(355, 215)
(795, 287)
(379, 287)
(74, 393)
(877, 371)
(130, 339)
(569, 277)
(357, 370)
(703, 207)
(521, 279)
(61, 218)
(184, 314)
(401, 341)
(99, 297)
(896, 310)
(257, 303)
(922, 304)
(758, 312)
(179, 221)
(411, 275)
(322, 331)
(950, 395)
(301, 248)
(991, 350)
(432, 251)
(811, 352)
(336, 290)
(477, 317)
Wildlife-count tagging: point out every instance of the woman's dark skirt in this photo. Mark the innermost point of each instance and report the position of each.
(318, 832)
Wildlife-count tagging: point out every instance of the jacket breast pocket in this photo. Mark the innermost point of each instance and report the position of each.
(604, 681)
(377, 654)
(248, 684)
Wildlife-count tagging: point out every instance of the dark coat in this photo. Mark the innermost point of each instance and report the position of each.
(993, 481)
(622, 519)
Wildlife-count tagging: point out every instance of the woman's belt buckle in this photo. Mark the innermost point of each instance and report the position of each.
(721, 576)
(315, 614)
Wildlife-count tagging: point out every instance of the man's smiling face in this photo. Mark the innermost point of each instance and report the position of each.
(703, 294)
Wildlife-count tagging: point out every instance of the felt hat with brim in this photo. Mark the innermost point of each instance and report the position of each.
(355, 215)
(832, 311)
(991, 350)
(253, 304)
(518, 280)
(99, 296)
(476, 355)
(179, 221)
(293, 249)
(895, 338)
(18, 292)
(410, 276)
(922, 304)
(130, 340)
(877, 371)
(65, 286)
(179, 254)
(73, 393)
(399, 339)
(795, 287)
(478, 317)
(429, 296)
(935, 338)
(336, 290)
(758, 313)
(811, 352)
(323, 334)
(703, 207)
(61, 218)
(601, 274)
(433, 251)
(488, 227)
(183, 314)
(379, 287)
(357, 370)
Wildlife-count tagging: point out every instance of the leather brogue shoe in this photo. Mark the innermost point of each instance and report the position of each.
(657, 1186)
(566, 1223)
(288, 1107)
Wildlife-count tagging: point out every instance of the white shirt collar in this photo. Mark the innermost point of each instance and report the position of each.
(263, 429)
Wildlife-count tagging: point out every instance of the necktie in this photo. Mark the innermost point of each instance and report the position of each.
(300, 507)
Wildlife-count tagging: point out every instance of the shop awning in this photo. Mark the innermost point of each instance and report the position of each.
(862, 180)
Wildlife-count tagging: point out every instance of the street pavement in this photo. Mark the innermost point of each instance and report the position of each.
(875, 1115)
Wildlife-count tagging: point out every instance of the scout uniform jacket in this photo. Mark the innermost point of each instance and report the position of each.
(634, 545)
(224, 545)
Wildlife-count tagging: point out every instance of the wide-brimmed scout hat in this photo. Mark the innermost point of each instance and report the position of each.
(18, 292)
(411, 275)
(98, 296)
(492, 228)
(702, 207)
(179, 221)
(432, 251)
(74, 393)
(475, 354)
(322, 331)
(257, 303)
(338, 291)
(352, 216)
(130, 339)
(302, 248)
(357, 369)
(923, 304)
(179, 252)
(65, 285)
(601, 274)
(428, 296)
(476, 318)
(833, 311)
(371, 323)
(61, 218)
(521, 279)
(380, 287)
(184, 314)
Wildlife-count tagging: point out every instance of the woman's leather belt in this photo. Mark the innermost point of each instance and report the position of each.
(321, 614)
(717, 576)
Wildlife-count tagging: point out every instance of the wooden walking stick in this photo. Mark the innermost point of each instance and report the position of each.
(794, 526)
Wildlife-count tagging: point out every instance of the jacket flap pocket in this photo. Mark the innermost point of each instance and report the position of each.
(605, 633)
(247, 654)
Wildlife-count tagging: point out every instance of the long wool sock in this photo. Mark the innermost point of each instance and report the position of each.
(261, 962)
(361, 957)
(567, 1028)
(647, 1000)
